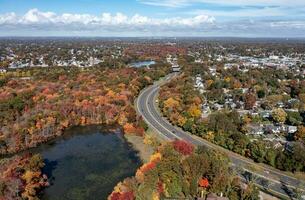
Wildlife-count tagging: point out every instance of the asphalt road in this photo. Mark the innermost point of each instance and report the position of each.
(276, 181)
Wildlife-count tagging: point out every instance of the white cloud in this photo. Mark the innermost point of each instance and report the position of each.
(183, 3)
(36, 22)
(166, 3)
(9, 18)
(106, 21)
(288, 24)
(35, 16)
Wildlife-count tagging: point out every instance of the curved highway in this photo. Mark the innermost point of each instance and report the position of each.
(267, 177)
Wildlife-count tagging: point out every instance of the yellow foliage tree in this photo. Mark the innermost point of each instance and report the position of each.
(155, 195)
(209, 83)
(237, 84)
(64, 123)
(83, 120)
(209, 136)
(139, 176)
(194, 111)
(302, 97)
(129, 128)
(227, 79)
(122, 119)
(155, 157)
(171, 104)
(300, 134)
(246, 119)
(110, 94)
(279, 115)
(181, 120)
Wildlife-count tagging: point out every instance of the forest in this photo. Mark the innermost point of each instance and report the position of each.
(37, 105)
(37, 108)
(21, 177)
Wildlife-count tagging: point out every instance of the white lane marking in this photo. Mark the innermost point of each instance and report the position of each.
(147, 121)
(146, 104)
(200, 141)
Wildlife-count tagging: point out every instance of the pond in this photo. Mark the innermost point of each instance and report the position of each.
(87, 163)
(143, 63)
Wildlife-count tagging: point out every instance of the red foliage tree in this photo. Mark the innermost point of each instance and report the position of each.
(148, 167)
(183, 147)
(160, 187)
(123, 196)
(204, 182)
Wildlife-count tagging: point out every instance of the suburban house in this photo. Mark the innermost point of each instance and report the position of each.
(255, 129)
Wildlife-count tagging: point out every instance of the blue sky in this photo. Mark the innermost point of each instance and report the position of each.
(242, 18)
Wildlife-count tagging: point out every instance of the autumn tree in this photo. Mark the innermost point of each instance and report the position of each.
(171, 104)
(250, 100)
(194, 111)
(300, 134)
(279, 115)
(183, 147)
(302, 97)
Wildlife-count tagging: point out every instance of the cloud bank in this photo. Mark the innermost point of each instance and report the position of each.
(200, 23)
(119, 22)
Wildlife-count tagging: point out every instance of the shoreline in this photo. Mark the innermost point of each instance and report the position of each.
(144, 151)
(65, 133)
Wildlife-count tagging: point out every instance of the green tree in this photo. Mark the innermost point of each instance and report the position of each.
(261, 94)
(294, 118)
(258, 151)
(35, 162)
(188, 126)
(270, 157)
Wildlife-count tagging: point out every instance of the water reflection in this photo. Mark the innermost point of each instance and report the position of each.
(87, 163)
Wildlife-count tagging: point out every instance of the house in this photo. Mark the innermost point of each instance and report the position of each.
(230, 105)
(217, 106)
(280, 105)
(198, 82)
(255, 129)
(289, 146)
(277, 145)
(291, 129)
(265, 113)
(205, 110)
(3, 71)
(198, 61)
(253, 113)
(244, 90)
(241, 105)
(213, 71)
(176, 68)
(270, 128)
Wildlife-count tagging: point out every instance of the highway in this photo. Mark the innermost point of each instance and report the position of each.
(277, 182)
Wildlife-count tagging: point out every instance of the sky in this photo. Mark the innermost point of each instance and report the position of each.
(153, 18)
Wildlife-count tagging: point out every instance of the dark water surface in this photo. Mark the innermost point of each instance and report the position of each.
(87, 163)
